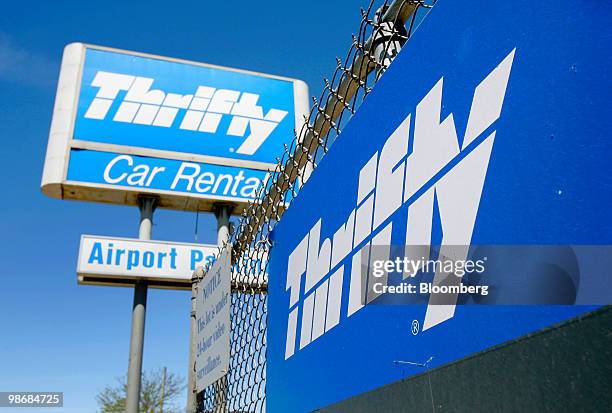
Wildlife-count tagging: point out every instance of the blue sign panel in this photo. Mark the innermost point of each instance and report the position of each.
(138, 172)
(490, 127)
(146, 102)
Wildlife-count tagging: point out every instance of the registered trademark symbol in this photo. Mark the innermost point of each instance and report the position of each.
(415, 327)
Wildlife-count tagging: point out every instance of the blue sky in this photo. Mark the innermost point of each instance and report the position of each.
(56, 335)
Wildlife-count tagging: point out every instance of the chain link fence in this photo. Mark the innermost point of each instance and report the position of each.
(383, 29)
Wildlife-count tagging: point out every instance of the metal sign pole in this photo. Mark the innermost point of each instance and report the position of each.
(191, 384)
(147, 206)
(222, 213)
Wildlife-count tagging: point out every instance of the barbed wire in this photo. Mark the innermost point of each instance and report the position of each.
(382, 32)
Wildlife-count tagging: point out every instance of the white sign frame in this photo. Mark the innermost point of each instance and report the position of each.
(55, 183)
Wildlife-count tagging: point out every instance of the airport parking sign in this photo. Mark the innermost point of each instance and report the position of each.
(127, 123)
(123, 261)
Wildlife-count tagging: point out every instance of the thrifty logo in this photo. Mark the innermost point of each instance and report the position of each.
(203, 110)
(437, 169)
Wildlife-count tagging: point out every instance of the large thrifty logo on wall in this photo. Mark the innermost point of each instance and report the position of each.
(203, 110)
(437, 169)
